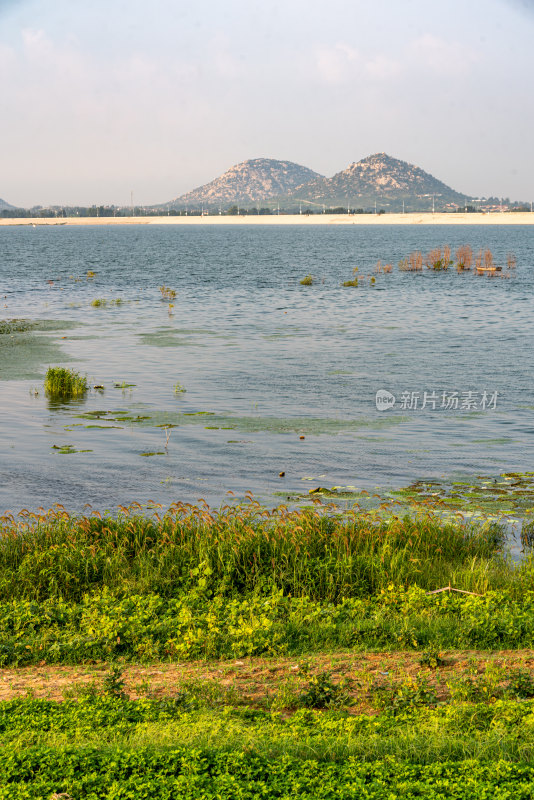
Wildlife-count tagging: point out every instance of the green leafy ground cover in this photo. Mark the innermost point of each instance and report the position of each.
(196, 626)
(108, 747)
(192, 774)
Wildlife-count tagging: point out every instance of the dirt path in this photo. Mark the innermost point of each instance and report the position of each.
(255, 680)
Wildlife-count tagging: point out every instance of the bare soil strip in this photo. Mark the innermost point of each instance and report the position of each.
(254, 681)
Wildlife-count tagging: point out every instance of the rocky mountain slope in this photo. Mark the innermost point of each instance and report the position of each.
(250, 183)
(378, 178)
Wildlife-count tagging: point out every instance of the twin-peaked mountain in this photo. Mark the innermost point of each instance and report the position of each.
(378, 179)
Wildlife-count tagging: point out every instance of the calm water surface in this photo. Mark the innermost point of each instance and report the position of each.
(264, 361)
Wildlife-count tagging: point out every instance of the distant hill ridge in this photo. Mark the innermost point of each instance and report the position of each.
(377, 179)
(249, 182)
(3, 204)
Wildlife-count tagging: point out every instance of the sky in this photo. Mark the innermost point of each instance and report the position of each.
(108, 97)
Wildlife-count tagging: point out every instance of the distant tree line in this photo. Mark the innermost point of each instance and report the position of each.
(234, 210)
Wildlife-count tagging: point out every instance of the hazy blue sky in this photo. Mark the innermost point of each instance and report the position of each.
(102, 97)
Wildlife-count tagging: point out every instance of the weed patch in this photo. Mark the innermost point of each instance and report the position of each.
(64, 384)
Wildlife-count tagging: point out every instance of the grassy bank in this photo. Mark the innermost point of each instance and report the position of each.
(246, 550)
(181, 591)
(197, 585)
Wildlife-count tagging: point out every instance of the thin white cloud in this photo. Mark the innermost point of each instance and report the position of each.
(337, 64)
(382, 67)
(440, 55)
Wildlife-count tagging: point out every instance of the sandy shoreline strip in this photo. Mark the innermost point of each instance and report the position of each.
(517, 218)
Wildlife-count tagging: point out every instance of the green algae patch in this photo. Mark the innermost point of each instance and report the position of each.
(92, 415)
(110, 416)
(10, 326)
(104, 427)
(258, 424)
(169, 337)
(26, 345)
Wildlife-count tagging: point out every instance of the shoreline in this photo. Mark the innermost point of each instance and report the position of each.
(498, 218)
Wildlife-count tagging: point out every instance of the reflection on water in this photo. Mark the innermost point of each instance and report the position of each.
(278, 377)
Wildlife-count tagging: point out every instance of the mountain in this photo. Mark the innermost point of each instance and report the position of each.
(249, 183)
(4, 205)
(378, 178)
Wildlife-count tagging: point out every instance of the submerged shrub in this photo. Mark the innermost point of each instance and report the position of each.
(63, 384)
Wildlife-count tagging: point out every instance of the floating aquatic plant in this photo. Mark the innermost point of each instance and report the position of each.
(102, 302)
(64, 384)
(307, 281)
(354, 281)
(68, 449)
(167, 293)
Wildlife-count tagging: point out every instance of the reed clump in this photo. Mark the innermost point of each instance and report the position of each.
(386, 268)
(414, 263)
(464, 258)
(64, 384)
(438, 258)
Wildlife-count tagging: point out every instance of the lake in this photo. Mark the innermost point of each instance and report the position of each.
(278, 377)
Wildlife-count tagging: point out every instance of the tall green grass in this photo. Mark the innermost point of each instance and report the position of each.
(243, 549)
(64, 384)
